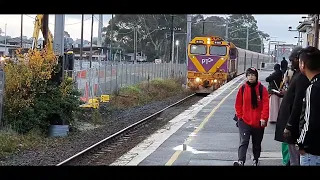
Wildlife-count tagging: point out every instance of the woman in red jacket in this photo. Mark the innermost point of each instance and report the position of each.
(252, 111)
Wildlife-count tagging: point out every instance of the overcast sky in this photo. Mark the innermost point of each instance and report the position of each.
(274, 25)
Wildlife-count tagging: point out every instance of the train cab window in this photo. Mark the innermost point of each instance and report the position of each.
(198, 49)
(218, 50)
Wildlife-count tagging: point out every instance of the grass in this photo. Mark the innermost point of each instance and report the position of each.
(11, 142)
(146, 92)
(131, 96)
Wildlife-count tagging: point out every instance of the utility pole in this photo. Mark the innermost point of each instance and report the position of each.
(299, 38)
(316, 31)
(203, 27)
(100, 26)
(134, 45)
(5, 39)
(261, 46)
(188, 39)
(91, 40)
(172, 48)
(177, 44)
(227, 28)
(111, 38)
(81, 44)
(172, 42)
(21, 31)
(247, 41)
(45, 29)
(59, 22)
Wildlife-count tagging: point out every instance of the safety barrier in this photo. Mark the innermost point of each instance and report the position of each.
(97, 81)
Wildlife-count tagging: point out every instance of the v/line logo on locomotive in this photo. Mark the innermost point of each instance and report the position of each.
(206, 61)
(212, 62)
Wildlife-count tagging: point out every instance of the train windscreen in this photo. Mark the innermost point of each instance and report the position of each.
(198, 49)
(218, 50)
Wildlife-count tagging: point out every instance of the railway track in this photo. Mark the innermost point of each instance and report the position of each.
(109, 149)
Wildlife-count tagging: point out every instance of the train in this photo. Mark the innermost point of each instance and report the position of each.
(213, 61)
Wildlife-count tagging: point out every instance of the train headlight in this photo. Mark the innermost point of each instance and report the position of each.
(198, 79)
(215, 81)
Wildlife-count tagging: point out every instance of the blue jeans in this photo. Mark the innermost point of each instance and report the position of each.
(309, 160)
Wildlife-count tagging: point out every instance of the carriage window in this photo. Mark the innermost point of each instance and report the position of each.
(198, 49)
(218, 50)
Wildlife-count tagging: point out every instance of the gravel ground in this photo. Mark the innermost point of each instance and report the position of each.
(58, 149)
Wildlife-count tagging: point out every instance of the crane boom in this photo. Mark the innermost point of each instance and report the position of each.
(38, 25)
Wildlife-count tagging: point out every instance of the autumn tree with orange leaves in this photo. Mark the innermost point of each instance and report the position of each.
(31, 99)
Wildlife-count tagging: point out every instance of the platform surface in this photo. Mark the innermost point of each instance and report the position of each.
(209, 133)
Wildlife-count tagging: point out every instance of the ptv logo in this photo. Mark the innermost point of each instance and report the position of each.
(206, 61)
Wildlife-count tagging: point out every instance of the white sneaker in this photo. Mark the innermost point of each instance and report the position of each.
(238, 163)
(256, 163)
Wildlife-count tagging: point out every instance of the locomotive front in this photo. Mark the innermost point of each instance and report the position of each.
(207, 63)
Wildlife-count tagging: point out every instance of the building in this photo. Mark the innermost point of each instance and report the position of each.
(306, 27)
(101, 53)
(8, 49)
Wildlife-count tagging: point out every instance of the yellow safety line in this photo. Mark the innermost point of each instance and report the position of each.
(175, 156)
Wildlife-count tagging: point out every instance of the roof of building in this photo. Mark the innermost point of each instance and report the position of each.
(302, 27)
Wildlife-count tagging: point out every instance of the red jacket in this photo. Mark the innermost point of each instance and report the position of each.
(244, 109)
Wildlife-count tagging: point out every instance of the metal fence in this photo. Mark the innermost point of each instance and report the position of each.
(97, 81)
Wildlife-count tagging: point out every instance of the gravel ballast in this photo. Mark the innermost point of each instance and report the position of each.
(56, 150)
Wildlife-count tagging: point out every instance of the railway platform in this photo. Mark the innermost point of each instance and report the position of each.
(205, 134)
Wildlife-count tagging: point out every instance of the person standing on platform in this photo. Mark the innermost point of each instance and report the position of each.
(290, 108)
(252, 112)
(274, 81)
(308, 141)
(284, 65)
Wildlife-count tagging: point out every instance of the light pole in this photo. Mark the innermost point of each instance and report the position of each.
(247, 39)
(177, 44)
(91, 37)
(21, 30)
(188, 34)
(290, 29)
(5, 39)
(316, 30)
(172, 39)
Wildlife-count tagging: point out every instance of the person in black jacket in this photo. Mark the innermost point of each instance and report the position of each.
(308, 141)
(274, 81)
(290, 108)
(284, 65)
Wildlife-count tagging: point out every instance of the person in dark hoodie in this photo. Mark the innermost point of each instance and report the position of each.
(274, 81)
(252, 111)
(290, 108)
(284, 65)
(308, 141)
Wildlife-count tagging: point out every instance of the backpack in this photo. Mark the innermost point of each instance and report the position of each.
(242, 89)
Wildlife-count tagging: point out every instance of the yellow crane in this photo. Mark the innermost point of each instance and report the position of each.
(42, 24)
(46, 33)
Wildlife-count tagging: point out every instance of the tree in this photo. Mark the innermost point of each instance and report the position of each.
(151, 29)
(238, 24)
(31, 98)
(154, 32)
(214, 26)
(66, 34)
